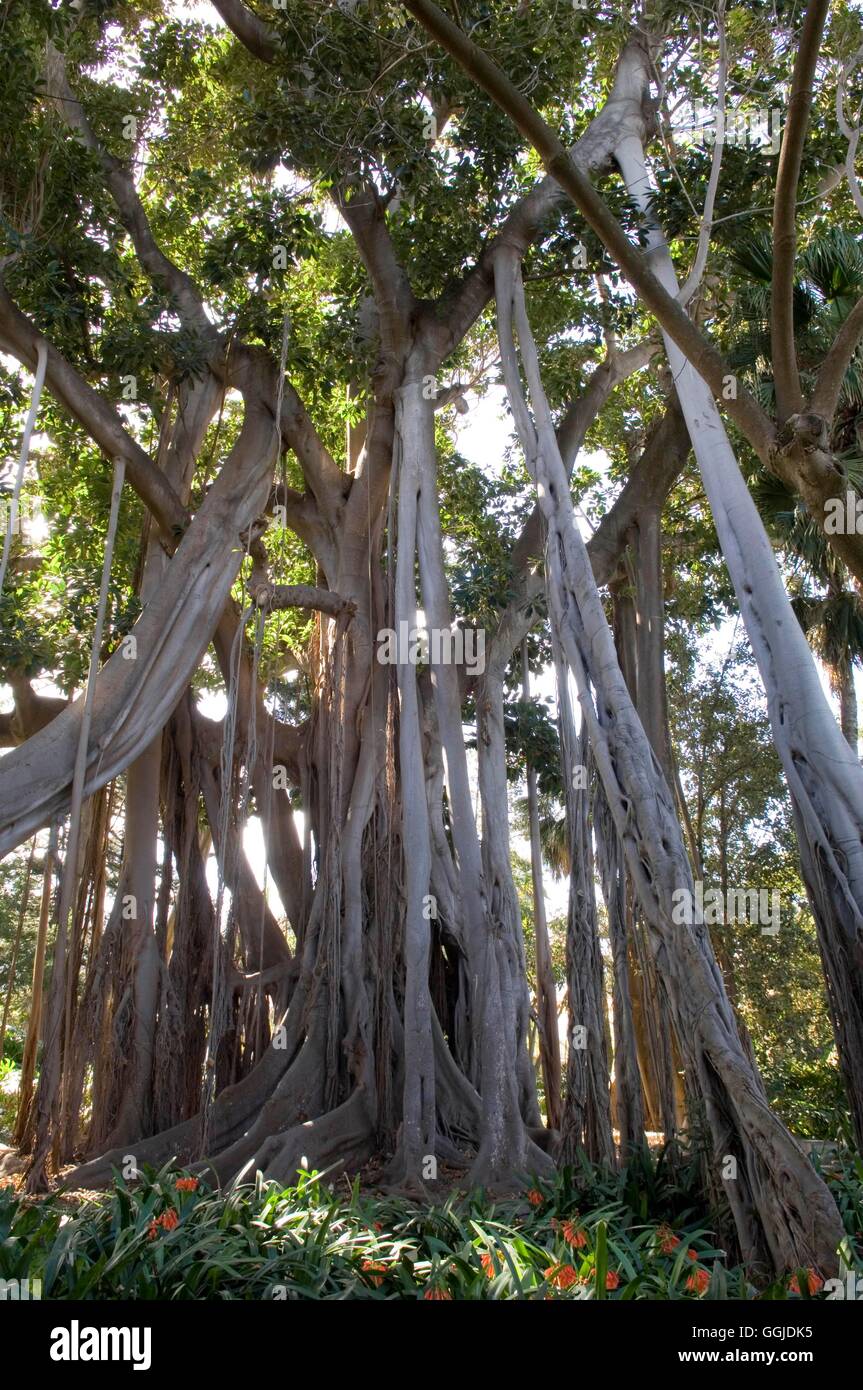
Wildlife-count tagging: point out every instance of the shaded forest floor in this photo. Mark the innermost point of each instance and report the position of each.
(642, 1233)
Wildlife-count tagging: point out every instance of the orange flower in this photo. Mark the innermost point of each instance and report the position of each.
(186, 1184)
(437, 1294)
(698, 1281)
(488, 1265)
(814, 1282)
(612, 1279)
(535, 1197)
(168, 1220)
(692, 1254)
(668, 1241)
(574, 1235)
(376, 1270)
(562, 1276)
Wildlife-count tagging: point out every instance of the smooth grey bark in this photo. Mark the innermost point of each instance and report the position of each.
(413, 421)
(134, 697)
(783, 1212)
(825, 780)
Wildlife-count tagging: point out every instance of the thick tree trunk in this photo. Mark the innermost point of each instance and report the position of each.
(586, 1121)
(645, 681)
(628, 1095)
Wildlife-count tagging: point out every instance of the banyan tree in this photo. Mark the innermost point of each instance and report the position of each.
(256, 260)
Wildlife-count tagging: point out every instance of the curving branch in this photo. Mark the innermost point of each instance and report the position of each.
(255, 35)
(786, 373)
(135, 697)
(831, 375)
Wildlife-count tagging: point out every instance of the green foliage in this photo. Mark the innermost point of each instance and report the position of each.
(8, 1092)
(589, 1234)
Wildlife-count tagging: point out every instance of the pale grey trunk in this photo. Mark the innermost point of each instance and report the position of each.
(825, 780)
(413, 419)
(784, 1213)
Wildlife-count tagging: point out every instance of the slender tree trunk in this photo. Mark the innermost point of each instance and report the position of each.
(16, 943)
(848, 706)
(629, 1103)
(133, 1062)
(546, 994)
(23, 1135)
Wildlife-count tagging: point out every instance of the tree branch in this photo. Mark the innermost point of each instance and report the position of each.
(831, 375)
(361, 208)
(253, 33)
(786, 374)
(19, 337)
(707, 361)
(307, 596)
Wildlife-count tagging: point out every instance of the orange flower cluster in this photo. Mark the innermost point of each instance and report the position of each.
(186, 1184)
(573, 1235)
(698, 1281)
(535, 1197)
(612, 1279)
(814, 1282)
(376, 1270)
(437, 1294)
(668, 1241)
(488, 1265)
(168, 1220)
(561, 1276)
